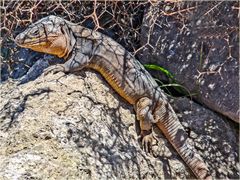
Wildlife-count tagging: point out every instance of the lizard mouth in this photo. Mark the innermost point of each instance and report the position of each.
(34, 41)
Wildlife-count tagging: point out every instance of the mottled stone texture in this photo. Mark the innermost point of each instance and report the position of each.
(199, 43)
(76, 127)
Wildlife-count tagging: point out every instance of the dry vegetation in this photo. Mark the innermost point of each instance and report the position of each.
(119, 19)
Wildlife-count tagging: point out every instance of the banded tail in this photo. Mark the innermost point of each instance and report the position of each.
(174, 132)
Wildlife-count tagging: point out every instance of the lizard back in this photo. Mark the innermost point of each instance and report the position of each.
(119, 67)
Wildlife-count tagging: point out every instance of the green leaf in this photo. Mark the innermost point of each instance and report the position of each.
(179, 88)
(159, 68)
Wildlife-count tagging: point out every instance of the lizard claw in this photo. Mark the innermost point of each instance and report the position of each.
(147, 143)
(54, 69)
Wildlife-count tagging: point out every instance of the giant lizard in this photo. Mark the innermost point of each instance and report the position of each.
(85, 48)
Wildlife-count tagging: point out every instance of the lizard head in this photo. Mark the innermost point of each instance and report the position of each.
(49, 35)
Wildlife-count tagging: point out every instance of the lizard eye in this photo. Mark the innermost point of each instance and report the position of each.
(35, 32)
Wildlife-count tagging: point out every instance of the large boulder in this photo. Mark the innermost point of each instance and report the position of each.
(75, 126)
(198, 42)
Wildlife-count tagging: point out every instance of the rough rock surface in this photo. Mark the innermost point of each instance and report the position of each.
(199, 43)
(72, 126)
(76, 126)
(214, 136)
(27, 66)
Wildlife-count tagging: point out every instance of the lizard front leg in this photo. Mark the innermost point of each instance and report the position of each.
(76, 62)
(144, 115)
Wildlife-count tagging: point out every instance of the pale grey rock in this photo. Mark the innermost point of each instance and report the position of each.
(69, 126)
(75, 126)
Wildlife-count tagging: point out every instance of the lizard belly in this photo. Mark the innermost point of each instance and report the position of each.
(114, 83)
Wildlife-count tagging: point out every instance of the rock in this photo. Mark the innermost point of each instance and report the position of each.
(27, 66)
(23, 59)
(75, 126)
(38, 67)
(4, 72)
(69, 126)
(215, 137)
(198, 42)
(35, 71)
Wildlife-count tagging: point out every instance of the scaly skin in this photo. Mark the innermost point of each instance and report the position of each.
(85, 48)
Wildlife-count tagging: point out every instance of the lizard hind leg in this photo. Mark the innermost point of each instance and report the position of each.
(145, 116)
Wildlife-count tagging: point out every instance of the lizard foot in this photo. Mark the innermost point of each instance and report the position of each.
(147, 139)
(54, 69)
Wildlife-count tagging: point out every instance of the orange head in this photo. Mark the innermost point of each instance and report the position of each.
(49, 35)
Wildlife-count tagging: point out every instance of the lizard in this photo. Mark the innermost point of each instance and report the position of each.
(81, 47)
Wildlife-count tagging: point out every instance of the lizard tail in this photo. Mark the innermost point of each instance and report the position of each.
(169, 124)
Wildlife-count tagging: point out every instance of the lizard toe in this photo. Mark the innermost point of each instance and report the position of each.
(147, 143)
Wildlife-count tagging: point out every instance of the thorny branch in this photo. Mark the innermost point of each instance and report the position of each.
(119, 19)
